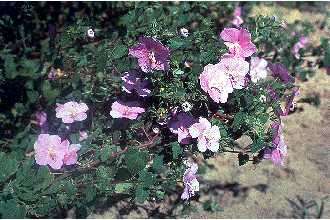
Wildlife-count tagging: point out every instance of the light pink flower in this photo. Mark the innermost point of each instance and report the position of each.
(278, 151)
(258, 69)
(237, 21)
(179, 125)
(50, 150)
(208, 135)
(124, 110)
(71, 156)
(71, 111)
(236, 68)
(302, 43)
(83, 135)
(191, 184)
(151, 54)
(133, 82)
(216, 83)
(238, 41)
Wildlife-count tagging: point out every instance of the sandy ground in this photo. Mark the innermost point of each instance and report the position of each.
(266, 191)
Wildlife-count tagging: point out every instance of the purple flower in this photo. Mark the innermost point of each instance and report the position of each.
(125, 110)
(191, 184)
(280, 71)
(151, 54)
(208, 135)
(50, 150)
(71, 112)
(278, 151)
(132, 81)
(302, 43)
(41, 118)
(179, 125)
(52, 74)
(288, 103)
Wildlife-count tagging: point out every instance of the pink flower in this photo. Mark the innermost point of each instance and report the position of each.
(258, 69)
(179, 125)
(237, 21)
(216, 83)
(124, 110)
(71, 111)
(132, 81)
(303, 41)
(208, 135)
(220, 79)
(278, 151)
(50, 150)
(151, 54)
(83, 135)
(71, 156)
(52, 74)
(191, 184)
(238, 41)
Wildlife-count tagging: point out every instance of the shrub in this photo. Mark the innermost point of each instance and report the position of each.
(131, 110)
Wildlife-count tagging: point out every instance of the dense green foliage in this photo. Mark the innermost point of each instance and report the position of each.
(122, 159)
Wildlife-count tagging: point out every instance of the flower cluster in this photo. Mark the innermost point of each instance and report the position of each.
(152, 55)
(50, 149)
(302, 43)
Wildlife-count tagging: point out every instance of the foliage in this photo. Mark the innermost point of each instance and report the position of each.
(121, 158)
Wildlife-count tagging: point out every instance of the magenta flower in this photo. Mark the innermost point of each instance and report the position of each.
(50, 150)
(151, 54)
(179, 125)
(71, 156)
(132, 81)
(280, 71)
(124, 110)
(238, 41)
(278, 151)
(208, 135)
(83, 135)
(191, 184)
(258, 69)
(71, 112)
(237, 21)
(302, 43)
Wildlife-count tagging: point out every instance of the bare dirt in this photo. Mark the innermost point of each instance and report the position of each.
(266, 191)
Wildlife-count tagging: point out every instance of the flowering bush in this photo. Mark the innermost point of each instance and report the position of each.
(131, 112)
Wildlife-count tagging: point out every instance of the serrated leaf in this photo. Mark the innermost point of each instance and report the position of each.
(106, 152)
(135, 160)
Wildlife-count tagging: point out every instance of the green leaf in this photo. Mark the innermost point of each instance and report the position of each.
(90, 193)
(48, 92)
(141, 194)
(176, 150)
(119, 51)
(146, 179)
(8, 166)
(257, 145)
(135, 160)
(11, 209)
(158, 162)
(123, 187)
(106, 152)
